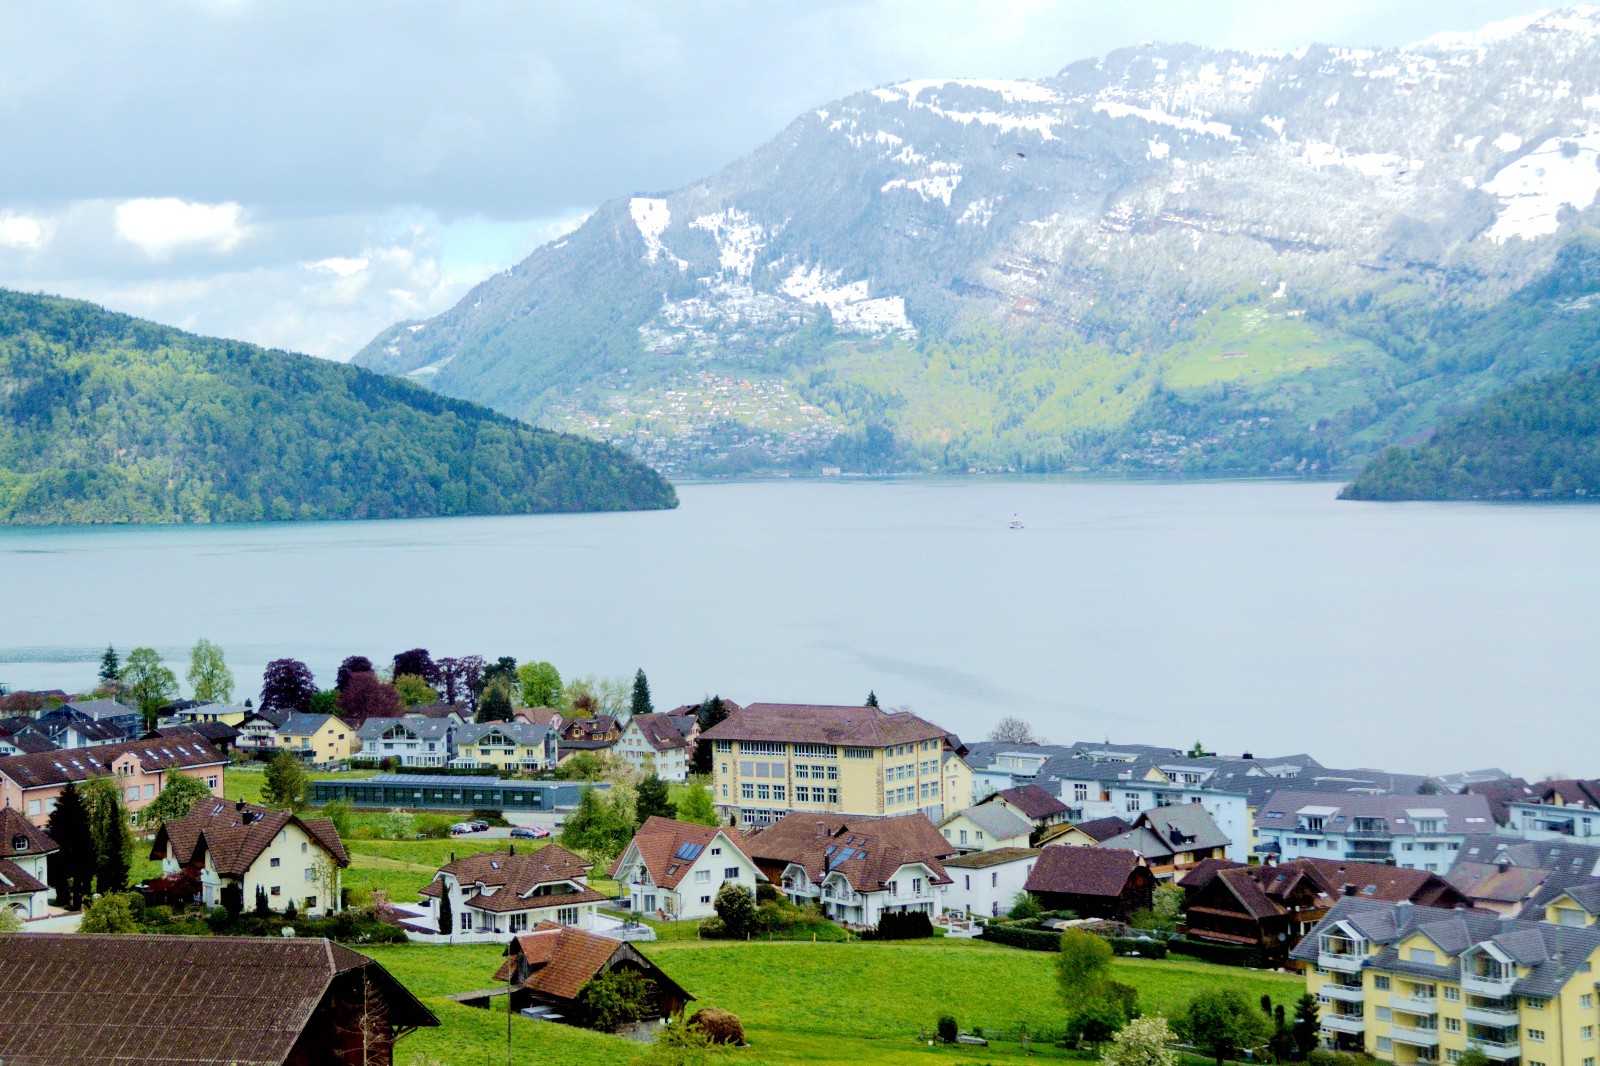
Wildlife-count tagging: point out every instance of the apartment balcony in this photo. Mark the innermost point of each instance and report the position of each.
(1344, 1023)
(1357, 832)
(1427, 1006)
(1499, 1050)
(1490, 985)
(1497, 1017)
(1405, 1034)
(1341, 963)
(1342, 993)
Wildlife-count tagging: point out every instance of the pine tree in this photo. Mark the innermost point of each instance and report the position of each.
(110, 666)
(641, 694)
(653, 799)
(262, 910)
(447, 917)
(71, 867)
(872, 699)
(711, 711)
(495, 704)
(109, 829)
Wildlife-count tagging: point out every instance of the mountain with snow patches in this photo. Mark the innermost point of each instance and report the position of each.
(1174, 258)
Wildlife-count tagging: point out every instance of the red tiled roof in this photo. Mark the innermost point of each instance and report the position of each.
(1103, 829)
(658, 842)
(506, 901)
(58, 767)
(800, 723)
(516, 876)
(15, 829)
(660, 731)
(1033, 801)
(1082, 871)
(14, 880)
(876, 847)
(235, 835)
(563, 959)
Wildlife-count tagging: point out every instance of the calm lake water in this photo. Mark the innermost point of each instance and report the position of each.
(1249, 615)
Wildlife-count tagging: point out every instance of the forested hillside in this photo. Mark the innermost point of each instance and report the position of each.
(108, 418)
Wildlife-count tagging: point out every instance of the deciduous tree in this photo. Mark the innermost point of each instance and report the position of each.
(353, 664)
(698, 807)
(287, 685)
(366, 697)
(112, 913)
(1222, 1022)
(416, 661)
(286, 783)
(1142, 1042)
(414, 691)
(1083, 965)
(209, 677)
(540, 683)
(148, 682)
(1013, 730)
(179, 794)
(737, 909)
(108, 829)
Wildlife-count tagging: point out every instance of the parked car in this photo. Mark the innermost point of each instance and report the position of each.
(461, 829)
(480, 827)
(530, 832)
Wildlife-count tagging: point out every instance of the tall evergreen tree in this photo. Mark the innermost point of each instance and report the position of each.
(110, 666)
(446, 918)
(109, 827)
(641, 695)
(872, 699)
(72, 866)
(653, 799)
(495, 703)
(711, 711)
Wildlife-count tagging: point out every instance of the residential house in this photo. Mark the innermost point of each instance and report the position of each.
(259, 731)
(1567, 808)
(855, 869)
(219, 735)
(505, 746)
(296, 1001)
(602, 729)
(1501, 792)
(1417, 832)
(31, 783)
(1173, 839)
(493, 893)
(289, 860)
(674, 869)
(773, 758)
(409, 741)
(124, 720)
(1093, 882)
(226, 713)
(1521, 877)
(1578, 905)
(547, 967)
(986, 827)
(987, 882)
(24, 870)
(19, 737)
(1271, 908)
(1039, 808)
(320, 739)
(1405, 984)
(1087, 834)
(662, 743)
(71, 734)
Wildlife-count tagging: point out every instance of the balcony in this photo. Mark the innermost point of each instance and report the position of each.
(1499, 1050)
(1498, 1017)
(1344, 1023)
(1405, 1034)
(1341, 962)
(1427, 1006)
(1368, 832)
(1494, 985)
(1342, 993)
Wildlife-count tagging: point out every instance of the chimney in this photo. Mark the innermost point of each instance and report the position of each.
(1247, 756)
(1348, 889)
(1502, 866)
(822, 830)
(452, 856)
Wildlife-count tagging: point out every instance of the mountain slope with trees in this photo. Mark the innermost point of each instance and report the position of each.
(108, 418)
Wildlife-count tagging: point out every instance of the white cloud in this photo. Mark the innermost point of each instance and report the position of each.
(20, 231)
(164, 225)
(342, 265)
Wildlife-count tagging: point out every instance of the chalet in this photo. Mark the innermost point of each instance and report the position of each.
(24, 849)
(986, 827)
(294, 1001)
(31, 783)
(601, 728)
(499, 892)
(256, 850)
(659, 742)
(674, 869)
(1093, 882)
(1173, 839)
(547, 967)
(1272, 907)
(259, 732)
(856, 869)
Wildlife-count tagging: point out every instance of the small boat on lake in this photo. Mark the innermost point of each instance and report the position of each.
(1016, 523)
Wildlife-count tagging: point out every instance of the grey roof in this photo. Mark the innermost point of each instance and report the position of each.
(438, 780)
(422, 728)
(995, 820)
(1182, 827)
(197, 709)
(1553, 855)
(299, 723)
(100, 709)
(1552, 953)
(521, 732)
(1586, 895)
(1459, 814)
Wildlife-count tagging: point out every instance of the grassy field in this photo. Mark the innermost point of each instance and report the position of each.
(1254, 344)
(814, 1003)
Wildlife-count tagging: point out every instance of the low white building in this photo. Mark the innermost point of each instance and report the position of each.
(24, 888)
(985, 828)
(495, 893)
(986, 882)
(673, 870)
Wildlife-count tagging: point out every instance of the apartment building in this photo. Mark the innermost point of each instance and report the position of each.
(1556, 809)
(410, 741)
(1410, 984)
(770, 759)
(1416, 832)
(30, 784)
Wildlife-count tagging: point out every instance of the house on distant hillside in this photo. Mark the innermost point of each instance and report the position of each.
(124, 722)
(493, 893)
(674, 869)
(1094, 882)
(659, 742)
(31, 783)
(1417, 832)
(601, 728)
(547, 967)
(259, 731)
(320, 739)
(855, 869)
(1271, 907)
(987, 882)
(70, 998)
(986, 827)
(226, 713)
(287, 859)
(24, 871)
(1173, 839)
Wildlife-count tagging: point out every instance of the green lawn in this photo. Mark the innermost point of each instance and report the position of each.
(814, 1003)
(402, 867)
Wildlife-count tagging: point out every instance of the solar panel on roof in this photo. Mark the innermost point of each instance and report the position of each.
(688, 851)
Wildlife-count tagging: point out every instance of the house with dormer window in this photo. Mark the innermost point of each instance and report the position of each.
(505, 746)
(496, 893)
(24, 852)
(286, 859)
(410, 741)
(673, 870)
(1416, 832)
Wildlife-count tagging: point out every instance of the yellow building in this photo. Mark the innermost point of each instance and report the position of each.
(1410, 984)
(772, 758)
(226, 713)
(274, 855)
(318, 738)
(1577, 906)
(505, 746)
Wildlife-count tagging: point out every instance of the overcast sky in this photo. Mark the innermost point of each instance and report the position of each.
(304, 174)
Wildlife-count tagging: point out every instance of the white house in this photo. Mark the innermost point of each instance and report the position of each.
(985, 828)
(259, 732)
(674, 869)
(659, 741)
(986, 882)
(24, 890)
(271, 853)
(495, 893)
(413, 741)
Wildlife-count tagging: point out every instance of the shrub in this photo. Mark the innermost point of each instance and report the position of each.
(767, 892)
(737, 909)
(615, 998)
(719, 1026)
(1132, 945)
(1012, 936)
(1222, 954)
(713, 929)
(111, 913)
(1024, 906)
(948, 1030)
(902, 925)
(490, 815)
(433, 826)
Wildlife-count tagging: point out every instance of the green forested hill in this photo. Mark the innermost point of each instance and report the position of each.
(1537, 440)
(108, 418)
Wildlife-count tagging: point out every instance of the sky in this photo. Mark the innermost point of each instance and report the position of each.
(302, 175)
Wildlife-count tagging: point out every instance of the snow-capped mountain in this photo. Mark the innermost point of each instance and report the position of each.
(1084, 255)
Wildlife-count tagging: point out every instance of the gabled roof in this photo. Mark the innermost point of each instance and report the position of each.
(1457, 813)
(95, 731)
(1572, 792)
(301, 724)
(273, 716)
(670, 848)
(866, 851)
(421, 728)
(556, 961)
(523, 733)
(15, 881)
(235, 834)
(1181, 828)
(993, 819)
(20, 837)
(1492, 884)
(100, 709)
(515, 875)
(58, 767)
(1083, 871)
(1033, 801)
(661, 731)
(800, 723)
(982, 860)
(31, 742)
(1266, 891)
(205, 1000)
(1500, 793)
(1203, 872)
(1101, 830)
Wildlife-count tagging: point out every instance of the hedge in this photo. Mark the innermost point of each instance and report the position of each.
(1131, 945)
(1222, 954)
(1032, 939)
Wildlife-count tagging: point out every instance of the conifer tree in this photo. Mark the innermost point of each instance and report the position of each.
(653, 799)
(872, 699)
(72, 866)
(110, 666)
(641, 695)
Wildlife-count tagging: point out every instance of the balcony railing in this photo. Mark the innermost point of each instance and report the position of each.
(1344, 1023)
(1492, 985)
(1427, 1006)
(1501, 1050)
(1405, 1034)
(1339, 961)
(1342, 993)
(1370, 832)
(1499, 1017)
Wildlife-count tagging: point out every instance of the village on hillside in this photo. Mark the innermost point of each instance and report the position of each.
(378, 871)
